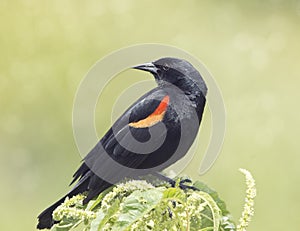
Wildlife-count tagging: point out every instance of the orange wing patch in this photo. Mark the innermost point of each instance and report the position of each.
(155, 117)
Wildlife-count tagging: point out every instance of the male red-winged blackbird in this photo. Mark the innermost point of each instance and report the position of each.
(155, 132)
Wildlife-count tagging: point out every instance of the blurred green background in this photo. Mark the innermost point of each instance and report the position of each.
(251, 48)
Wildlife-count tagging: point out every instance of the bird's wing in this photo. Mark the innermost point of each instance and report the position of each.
(130, 129)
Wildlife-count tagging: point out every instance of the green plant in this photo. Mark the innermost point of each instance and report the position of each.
(138, 205)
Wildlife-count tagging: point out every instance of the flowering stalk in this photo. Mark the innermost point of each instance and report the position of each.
(248, 211)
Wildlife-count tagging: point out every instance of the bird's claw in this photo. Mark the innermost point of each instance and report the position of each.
(185, 187)
(181, 184)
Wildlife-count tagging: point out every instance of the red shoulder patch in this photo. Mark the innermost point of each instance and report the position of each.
(155, 116)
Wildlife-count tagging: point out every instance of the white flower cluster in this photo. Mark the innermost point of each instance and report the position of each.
(67, 210)
(248, 211)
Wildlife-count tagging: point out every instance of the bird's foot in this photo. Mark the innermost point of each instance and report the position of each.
(183, 184)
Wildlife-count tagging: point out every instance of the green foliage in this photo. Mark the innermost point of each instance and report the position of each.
(138, 205)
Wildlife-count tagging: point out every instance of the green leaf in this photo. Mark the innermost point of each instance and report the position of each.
(174, 193)
(96, 223)
(204, 188)
(227, 224)
(102, 219)
(215, 210)
(135, 206)
(94, 203)
(66, 225)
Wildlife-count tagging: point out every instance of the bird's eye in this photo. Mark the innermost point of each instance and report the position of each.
(159, 72)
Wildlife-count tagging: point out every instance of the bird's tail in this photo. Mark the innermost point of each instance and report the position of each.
(45, 219)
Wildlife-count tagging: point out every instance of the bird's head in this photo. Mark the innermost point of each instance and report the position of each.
(176, 71)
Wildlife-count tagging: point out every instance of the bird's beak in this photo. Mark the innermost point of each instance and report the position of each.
(150, 67)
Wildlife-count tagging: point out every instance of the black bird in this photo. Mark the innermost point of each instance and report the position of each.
(155, 132)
